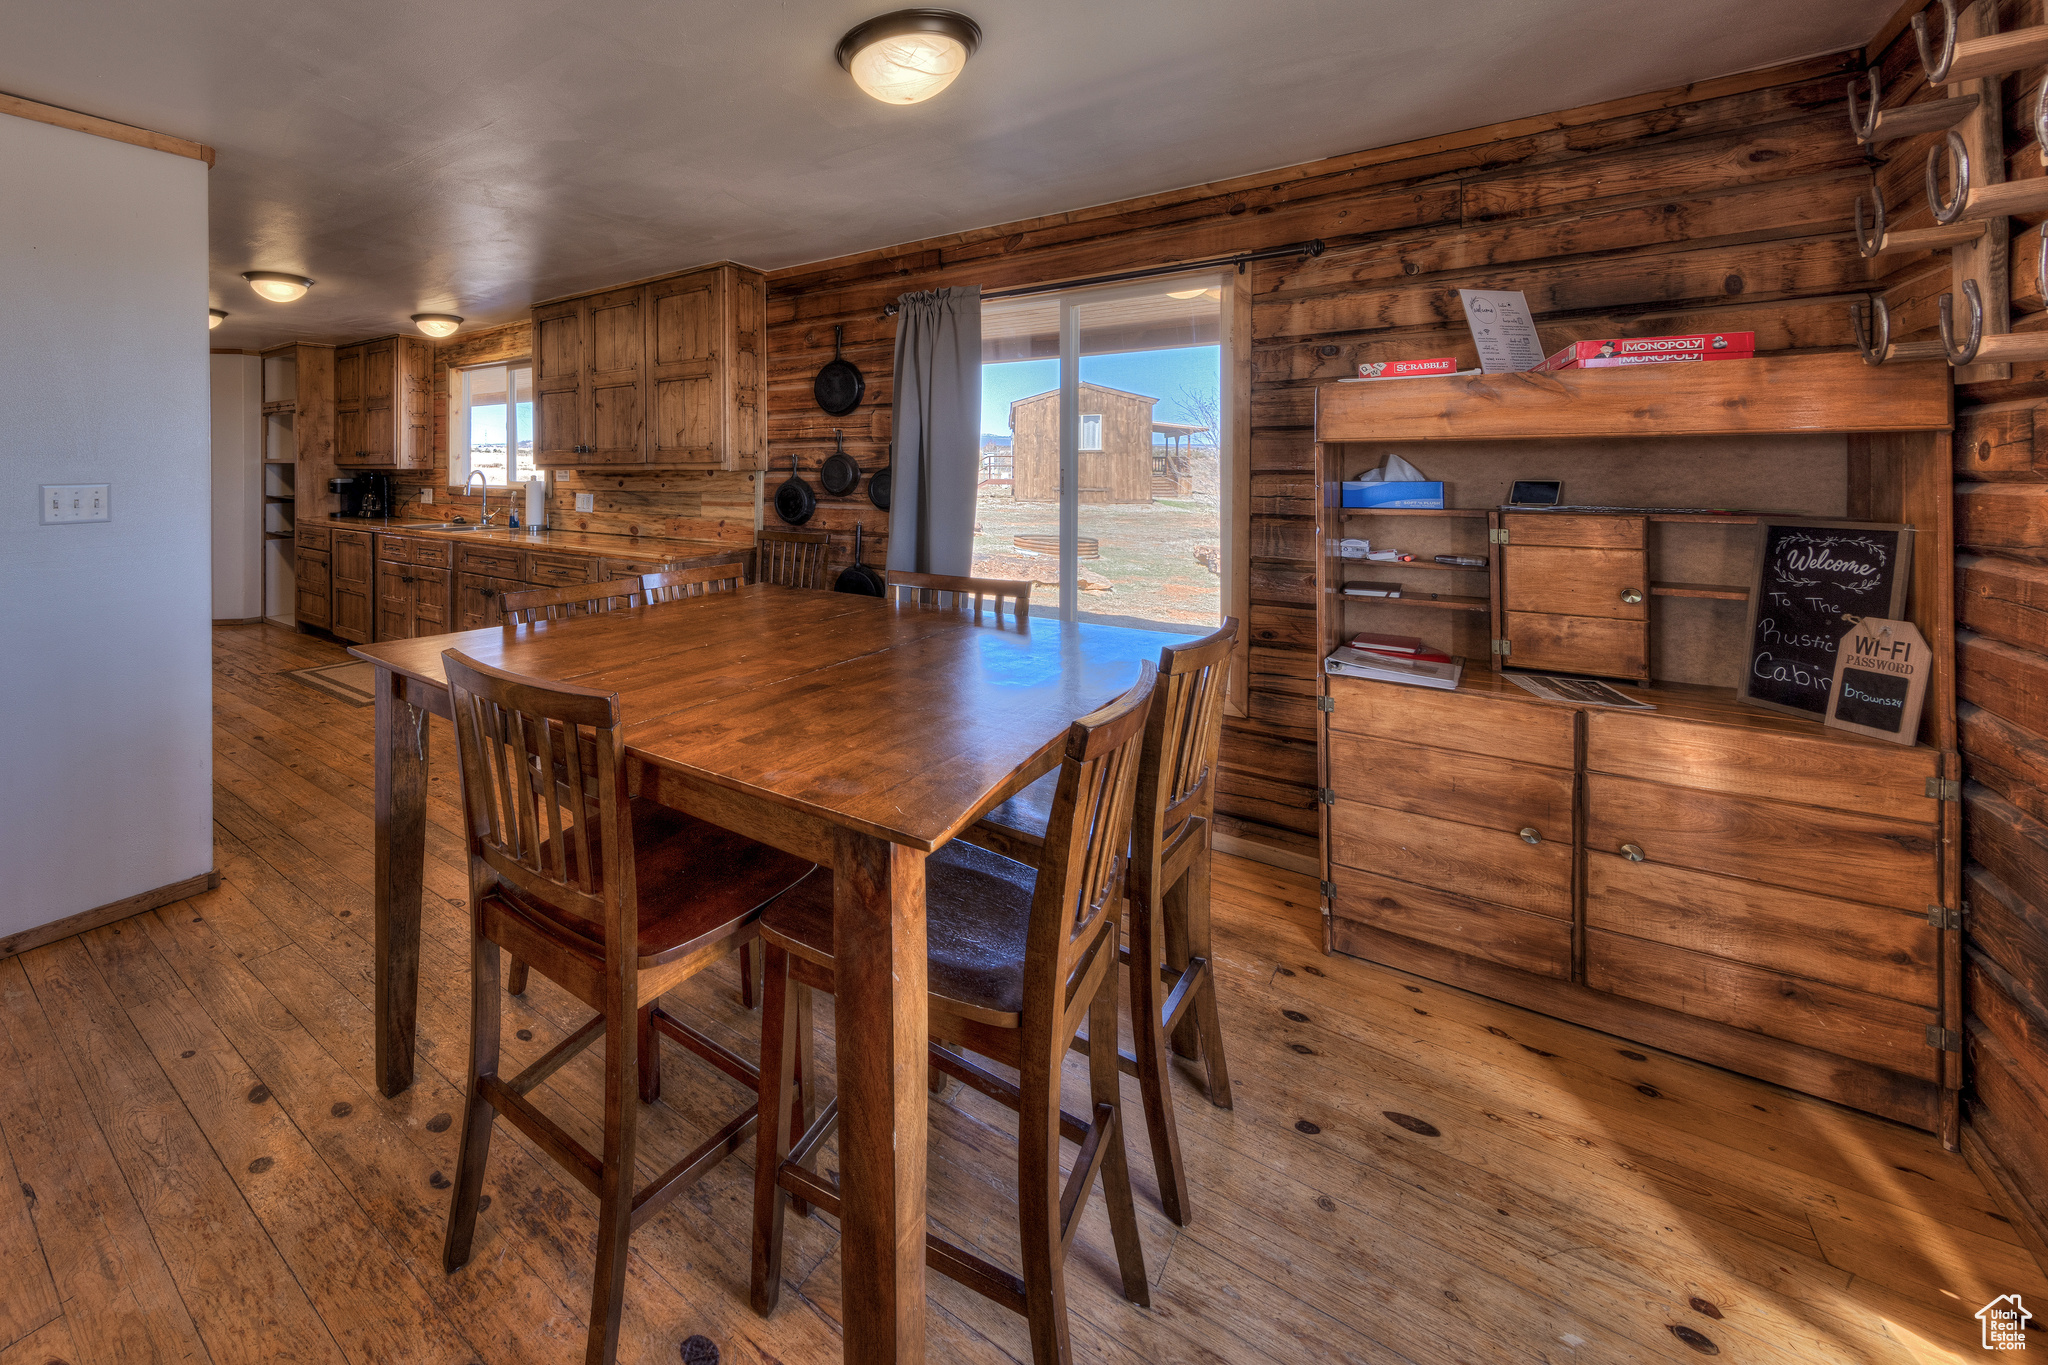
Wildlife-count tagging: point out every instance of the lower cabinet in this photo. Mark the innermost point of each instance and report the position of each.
(412, 587)
(353, 580)
(477, 597)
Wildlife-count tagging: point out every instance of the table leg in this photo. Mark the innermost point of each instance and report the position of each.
(401, 868)
(879, 952)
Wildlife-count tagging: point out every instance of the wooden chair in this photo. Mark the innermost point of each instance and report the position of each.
(696, 581)
(1017, 961)
(578, 599)
(616, 900)
(1173, 984)
(962, 594)
(794, 559)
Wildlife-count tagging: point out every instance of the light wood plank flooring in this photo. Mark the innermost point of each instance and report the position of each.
(195, 1164)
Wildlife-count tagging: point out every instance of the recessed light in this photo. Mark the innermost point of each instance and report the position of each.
(909, 55)
(437, 324)
(214, 318)
(276, 287)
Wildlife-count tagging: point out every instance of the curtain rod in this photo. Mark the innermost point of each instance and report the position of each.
(1304, 249)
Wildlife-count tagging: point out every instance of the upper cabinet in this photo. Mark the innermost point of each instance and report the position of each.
(381, 415)
(668, 374)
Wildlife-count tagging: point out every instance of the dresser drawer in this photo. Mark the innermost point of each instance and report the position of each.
(559, 570)
(1526, 731)
(1486, 864)
(1602, 647)
(1575, 582)
(1870, 1028)
(1513, 938)
(1620, 533)
(312, 538)
(1842, 854)
(1473, 789)
(1867, 948)
(1837, 770)
(492, 560)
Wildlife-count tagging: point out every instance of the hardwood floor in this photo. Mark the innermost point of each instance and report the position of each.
(195, 1164)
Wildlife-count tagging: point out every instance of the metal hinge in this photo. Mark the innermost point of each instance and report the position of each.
(1944, 1039)
(1944, 789)
(1329, 890)
(1503, 647)
(1497, 537)
(1941, 917)
(1326, 703)
(1328, 796)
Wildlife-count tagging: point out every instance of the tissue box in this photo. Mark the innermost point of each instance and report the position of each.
(1394, 494)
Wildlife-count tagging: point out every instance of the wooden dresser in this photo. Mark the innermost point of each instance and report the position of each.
(1749, 888)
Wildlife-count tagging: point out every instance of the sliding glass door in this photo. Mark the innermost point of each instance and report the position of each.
(1104, 449)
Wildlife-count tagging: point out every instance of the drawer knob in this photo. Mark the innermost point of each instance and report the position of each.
(1632, 852)
(1530, 835)
(1631, 595)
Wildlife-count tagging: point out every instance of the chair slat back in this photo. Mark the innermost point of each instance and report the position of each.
(675, 584)
(1078, 900)
(544, 798)
(793, 559)
(961, 594)
(578, 599)
(1183, 732)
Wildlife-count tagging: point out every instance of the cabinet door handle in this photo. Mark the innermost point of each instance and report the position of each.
(1632, 852)
(1631, 595)
(1530, 835)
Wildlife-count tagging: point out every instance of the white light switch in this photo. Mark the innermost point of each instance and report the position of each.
(68, 502)
(586, 502)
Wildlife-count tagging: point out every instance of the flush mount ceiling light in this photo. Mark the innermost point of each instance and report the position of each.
(277, 288)
(910, 55)
(437, 324)
(214, 318)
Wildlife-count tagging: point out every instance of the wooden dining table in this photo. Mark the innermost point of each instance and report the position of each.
(852, 731)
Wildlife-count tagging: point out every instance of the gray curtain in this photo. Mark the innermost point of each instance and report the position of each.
(936, 422)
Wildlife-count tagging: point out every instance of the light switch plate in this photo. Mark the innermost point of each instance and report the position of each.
(586, 502)
(64, 503)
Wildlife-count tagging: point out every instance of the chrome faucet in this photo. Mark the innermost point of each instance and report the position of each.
(485, 518)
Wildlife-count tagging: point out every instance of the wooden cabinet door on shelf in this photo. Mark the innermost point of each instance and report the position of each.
(313, 589)
(477, 599)
(1575, 594)
(354, 579)
(614, 377)
(382, 415)
(558, 431)
(684, 325)
(380, 385)
(348, 405)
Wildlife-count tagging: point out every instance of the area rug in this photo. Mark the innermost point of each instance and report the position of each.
(353, 682)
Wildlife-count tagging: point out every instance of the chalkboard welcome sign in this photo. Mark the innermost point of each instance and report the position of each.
(1814, 580)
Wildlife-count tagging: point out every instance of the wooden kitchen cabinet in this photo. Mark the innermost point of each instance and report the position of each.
(413, 586)
(353, 575)
(382, 418)
(313, 603)
(668, 375)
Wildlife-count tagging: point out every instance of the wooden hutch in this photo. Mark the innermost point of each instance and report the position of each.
(1745, 887)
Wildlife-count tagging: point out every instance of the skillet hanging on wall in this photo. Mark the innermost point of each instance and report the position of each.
(840, 474)
(879, 484)
(858, 577)
(794, 501)
(839, 386)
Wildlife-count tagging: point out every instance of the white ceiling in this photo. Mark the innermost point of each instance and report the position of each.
(471, 157)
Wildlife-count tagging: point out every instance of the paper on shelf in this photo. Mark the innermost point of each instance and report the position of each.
(1502, 330)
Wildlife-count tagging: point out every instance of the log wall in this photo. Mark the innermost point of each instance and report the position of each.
(1721, 205)
(2001, 454)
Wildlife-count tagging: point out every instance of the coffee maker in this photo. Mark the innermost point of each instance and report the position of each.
(366, 495)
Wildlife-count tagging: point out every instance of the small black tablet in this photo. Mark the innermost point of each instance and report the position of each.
(1536, 493)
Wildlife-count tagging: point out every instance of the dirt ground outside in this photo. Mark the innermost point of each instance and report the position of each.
(1158, 560)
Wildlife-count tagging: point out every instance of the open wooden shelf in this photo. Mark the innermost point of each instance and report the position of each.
(1443, 601)
(277, 535)
(1723, 591)
(1414, 511)
(272, 497)
(281, 405)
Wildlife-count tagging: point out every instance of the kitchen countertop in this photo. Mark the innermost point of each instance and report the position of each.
(572, 542)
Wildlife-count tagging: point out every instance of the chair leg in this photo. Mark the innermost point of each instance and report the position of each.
(478, 1116)
(779, 1110)
(750, 996)
(1207, 1020)
(649, 1054)
(1148, 1040)
(803, 1109)
(1105, 1089)
(1038, 1209)
(1174, 913)
(615, 1189)
(515, 979)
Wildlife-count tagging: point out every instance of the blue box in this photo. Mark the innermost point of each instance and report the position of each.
(1394, 494)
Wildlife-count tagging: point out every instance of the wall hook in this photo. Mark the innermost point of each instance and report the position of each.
(1967, 353)
(1937, 68)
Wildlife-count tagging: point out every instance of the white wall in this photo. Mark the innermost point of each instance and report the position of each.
(237, 487)
(106, 754)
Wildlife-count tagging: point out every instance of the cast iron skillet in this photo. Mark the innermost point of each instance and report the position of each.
(794, 501)
(839, 386)
(858, 577)
(840, 473)
(878, 484)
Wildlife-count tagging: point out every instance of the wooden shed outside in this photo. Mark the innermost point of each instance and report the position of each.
(1119, 471)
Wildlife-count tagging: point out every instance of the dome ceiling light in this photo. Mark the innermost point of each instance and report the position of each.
(214, 318)
(437, 324)
(276, 287)
(910, 55)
